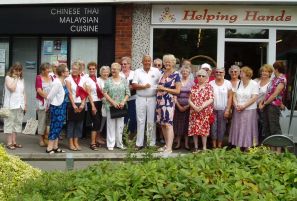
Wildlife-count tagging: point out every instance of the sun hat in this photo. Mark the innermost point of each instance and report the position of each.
(206, 65)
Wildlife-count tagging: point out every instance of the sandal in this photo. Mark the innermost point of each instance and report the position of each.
(10, 146)
(93, 147)
(50, 151)
(58, 150)
(18, 146)
(72, 148)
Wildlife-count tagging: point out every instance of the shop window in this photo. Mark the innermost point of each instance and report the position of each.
(54, 49)
(85, 49)
(199, 44)
(250, 33)
(4, 60)
(286, 50)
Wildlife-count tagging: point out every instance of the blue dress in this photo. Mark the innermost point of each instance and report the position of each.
(165, 103)
(58, 117)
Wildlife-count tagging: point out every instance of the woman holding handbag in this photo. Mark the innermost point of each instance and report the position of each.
(116, 92)
(57, 98)
(15, 101)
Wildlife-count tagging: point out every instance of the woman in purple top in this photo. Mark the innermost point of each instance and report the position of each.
(182, 108)
(273, 100)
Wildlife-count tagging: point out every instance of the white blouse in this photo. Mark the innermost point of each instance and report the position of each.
(16, 99)
(92, 85)
(74, 86)
(243, 94)
(221, 94)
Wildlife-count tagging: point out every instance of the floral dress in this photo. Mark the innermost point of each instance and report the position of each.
(165, 102)
(199, 122)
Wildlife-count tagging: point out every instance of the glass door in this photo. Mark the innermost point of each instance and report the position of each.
(25, 51)
(4, 60)
(252, 54)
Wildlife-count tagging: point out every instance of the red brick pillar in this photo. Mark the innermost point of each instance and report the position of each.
(123, 31)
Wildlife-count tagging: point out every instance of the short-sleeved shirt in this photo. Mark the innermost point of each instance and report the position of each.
(272, 87)
(243, 94)
(116, 90)
(221, 94)
(151, 77)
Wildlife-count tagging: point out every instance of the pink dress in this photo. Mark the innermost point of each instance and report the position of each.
(199, 122)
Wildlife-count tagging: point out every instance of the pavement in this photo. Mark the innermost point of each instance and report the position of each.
(32, 153)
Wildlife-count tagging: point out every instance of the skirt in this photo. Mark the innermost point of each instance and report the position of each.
(244, 128)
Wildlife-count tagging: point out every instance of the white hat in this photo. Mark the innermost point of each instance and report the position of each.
(206, 65)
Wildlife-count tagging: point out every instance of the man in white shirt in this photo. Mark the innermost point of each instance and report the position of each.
(145, 83)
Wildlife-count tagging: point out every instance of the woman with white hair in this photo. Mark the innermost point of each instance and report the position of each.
(201, 109)
(169, 86)
(116, 92)
(234, 72)
(182, 109)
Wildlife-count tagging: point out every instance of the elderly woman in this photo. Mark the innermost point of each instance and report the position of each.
(57, 98)
(182, 108)
(116, 92)
(93, 86)
(222, 90)
(43, 86)
(76, 107)
(201, 109)
(128, 74)
(244, 126)
(272, 101)
(234, 72)
(265, 73)
(104, 74)
(15, 101)
(169, 86)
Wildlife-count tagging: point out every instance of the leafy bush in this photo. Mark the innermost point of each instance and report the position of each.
(211, 175)
(13, 174)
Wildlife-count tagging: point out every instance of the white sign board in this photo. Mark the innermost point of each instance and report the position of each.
(224, 15)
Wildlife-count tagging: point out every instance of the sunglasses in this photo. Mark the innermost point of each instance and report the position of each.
(158, 65)
(234, 71)
(201, 76)
(206, 69)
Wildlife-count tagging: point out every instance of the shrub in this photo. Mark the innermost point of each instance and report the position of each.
(211, 175)
(13, 174)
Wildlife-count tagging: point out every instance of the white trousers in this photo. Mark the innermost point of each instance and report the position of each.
(145, 112)
(114, 131)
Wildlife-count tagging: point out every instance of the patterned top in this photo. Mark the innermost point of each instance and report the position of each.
(199, 123)
(165, 102)
(272, 87)
(116, 90)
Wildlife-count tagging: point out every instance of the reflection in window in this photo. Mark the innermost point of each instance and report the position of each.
(247, 33)
(186, 43)
(286, 50)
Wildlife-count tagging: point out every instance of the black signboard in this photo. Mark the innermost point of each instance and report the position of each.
(70, 19)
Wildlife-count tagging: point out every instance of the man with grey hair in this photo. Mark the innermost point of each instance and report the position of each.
(145, 82)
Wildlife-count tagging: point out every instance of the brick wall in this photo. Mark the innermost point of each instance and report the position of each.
(123, 29)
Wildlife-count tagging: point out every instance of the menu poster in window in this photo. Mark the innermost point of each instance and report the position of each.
(48, 47)
(2, 69)
(62, 58)
(2, 55)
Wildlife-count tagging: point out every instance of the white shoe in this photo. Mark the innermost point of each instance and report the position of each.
(122, 148)
(110, 148)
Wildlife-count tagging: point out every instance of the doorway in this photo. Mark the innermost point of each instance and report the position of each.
(252, 54)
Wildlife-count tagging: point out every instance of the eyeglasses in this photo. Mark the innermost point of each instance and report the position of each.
(206, 69)
(201, 76)
(158, 65)
(92, 68)
(219, 72)
(124, 64)
(232, 71)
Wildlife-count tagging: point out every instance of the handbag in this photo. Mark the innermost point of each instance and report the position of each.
(117, 113)
(4, 112)
(31, 127)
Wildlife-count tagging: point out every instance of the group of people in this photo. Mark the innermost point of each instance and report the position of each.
(175, 102)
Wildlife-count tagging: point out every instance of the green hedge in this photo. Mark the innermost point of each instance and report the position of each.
(211, 175)
(13, 174)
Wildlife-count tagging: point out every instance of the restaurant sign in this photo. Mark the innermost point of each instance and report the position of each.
(224, 15)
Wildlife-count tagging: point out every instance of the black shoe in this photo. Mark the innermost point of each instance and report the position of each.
(50, 151)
